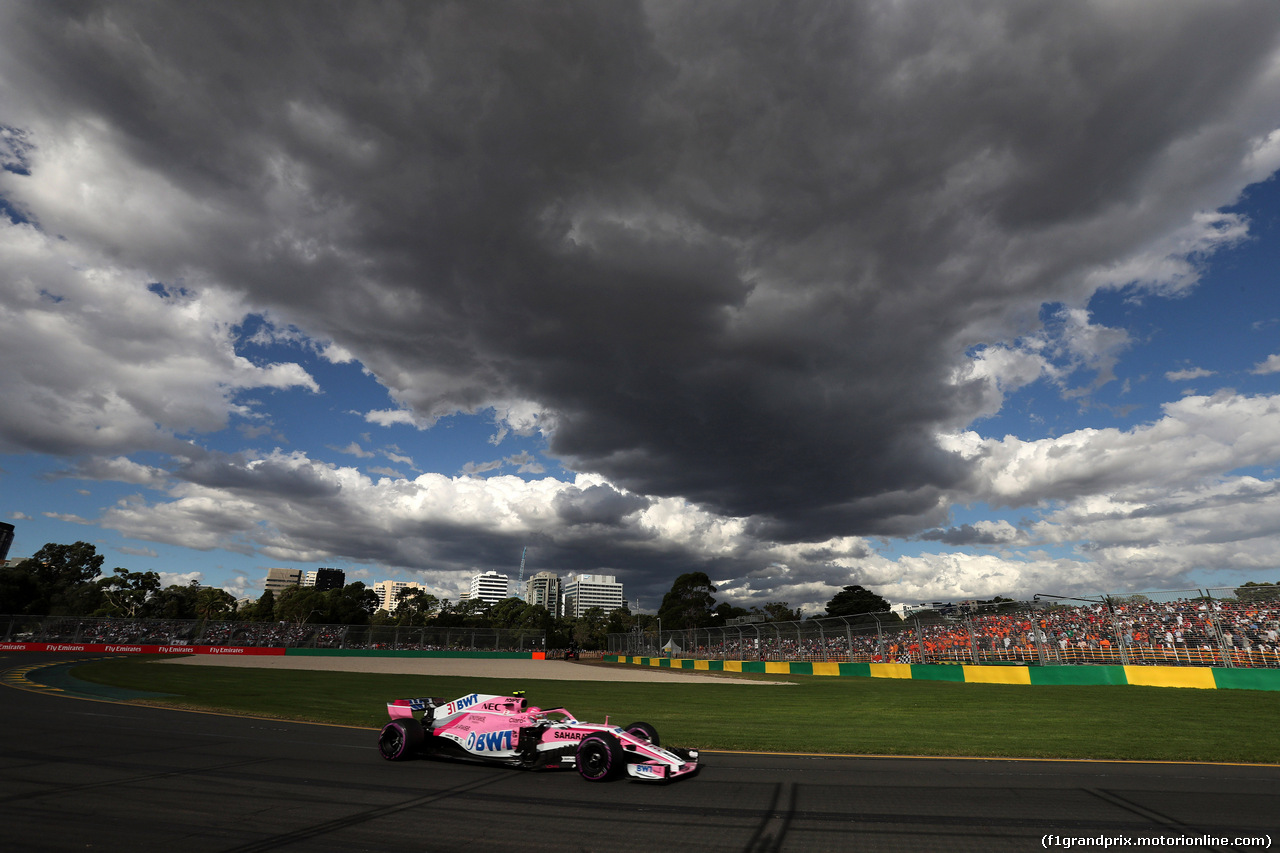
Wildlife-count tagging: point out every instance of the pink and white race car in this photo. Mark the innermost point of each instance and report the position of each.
(507, 730)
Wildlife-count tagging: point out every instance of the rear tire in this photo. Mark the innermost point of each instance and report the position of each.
(400, 740)
(599, 758)
(644, 731)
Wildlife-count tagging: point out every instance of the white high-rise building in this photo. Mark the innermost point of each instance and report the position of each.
(545, 589)
(387, 592)
(582, 592)
(490, 587)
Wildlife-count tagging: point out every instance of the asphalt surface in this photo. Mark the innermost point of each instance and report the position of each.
(78, 774)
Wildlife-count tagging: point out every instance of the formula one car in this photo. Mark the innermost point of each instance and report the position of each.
(507, 730)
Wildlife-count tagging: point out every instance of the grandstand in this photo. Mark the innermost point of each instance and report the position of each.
(1172, 628)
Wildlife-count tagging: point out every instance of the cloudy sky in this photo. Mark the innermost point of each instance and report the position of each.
(944, 299)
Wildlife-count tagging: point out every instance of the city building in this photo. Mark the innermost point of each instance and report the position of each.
(490, 587)
(323, 579)
(582, 592)
(388, 593)
(545, 589)
(281, 579)
(6, 539)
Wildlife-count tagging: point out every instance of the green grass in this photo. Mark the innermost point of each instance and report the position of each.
(811, 714)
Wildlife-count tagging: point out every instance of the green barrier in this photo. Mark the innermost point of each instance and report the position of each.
(1077, 675)
(936, 672)
(1247, 679)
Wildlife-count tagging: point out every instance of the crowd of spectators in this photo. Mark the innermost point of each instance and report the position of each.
(252, 634)
(114, 631)
(1206, 632)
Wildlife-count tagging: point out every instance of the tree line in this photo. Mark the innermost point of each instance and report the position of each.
(67, 580)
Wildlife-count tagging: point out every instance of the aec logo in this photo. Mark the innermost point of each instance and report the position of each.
(490, 741)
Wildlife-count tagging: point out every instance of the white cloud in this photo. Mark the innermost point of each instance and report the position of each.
(1172, 265)
(355, 449)
(121, 469)
(178, 578)
(1198, 437)
(1188, 373)
(1270, 365)
(392, 417)
(96, 362)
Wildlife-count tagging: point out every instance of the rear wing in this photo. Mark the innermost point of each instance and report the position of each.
(402, 709)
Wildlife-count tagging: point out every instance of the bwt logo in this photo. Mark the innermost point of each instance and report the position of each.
(490, 741)
(460, 704)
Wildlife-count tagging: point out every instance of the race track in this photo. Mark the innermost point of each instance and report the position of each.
(91, 775)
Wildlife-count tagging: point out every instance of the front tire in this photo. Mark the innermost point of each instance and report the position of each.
(400, 740)
(599, 758)
(644, 731)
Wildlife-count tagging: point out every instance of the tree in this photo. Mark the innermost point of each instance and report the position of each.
(414, 608)
(213, 602)
(354, 604)
(263, 610)
(128, 592)
(468, 612)
(689, 603)
(66, 565)
(174, 601)
(589, 629)
(515, 613)
(56, 580)
(725, 611)
(620, 621)
(303, 604)
(853, 600)
(780, 611)
(1253, 591)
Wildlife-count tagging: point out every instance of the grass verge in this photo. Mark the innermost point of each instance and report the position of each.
(814, 715)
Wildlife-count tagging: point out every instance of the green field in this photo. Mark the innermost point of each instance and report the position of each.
(808, 714)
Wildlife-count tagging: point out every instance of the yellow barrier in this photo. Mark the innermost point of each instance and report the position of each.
(997, 674)
(1170, 676)
(890, 670)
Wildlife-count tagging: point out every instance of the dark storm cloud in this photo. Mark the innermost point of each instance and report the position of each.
(597, 505)
(965, 534)
(735, 251)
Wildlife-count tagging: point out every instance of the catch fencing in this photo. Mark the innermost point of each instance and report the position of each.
(197, 632)
(1210, 627)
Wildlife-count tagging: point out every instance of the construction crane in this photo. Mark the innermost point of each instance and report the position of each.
(520, 582)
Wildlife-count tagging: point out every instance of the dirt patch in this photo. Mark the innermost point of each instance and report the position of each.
(530, 670)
